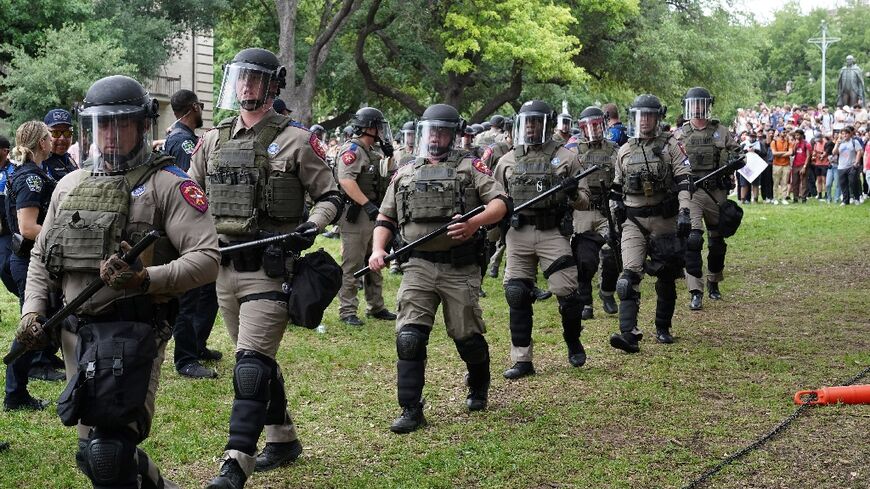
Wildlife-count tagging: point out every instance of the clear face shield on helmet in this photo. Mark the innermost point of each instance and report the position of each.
(435, 138)
(114, 139)
(563, 124)
(645, 122)
(592, 128)
(408, 138)
(532, 128)
(697, 108)
(246, 86)
(383, 131)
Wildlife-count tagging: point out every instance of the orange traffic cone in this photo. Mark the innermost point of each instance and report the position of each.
(848, 394)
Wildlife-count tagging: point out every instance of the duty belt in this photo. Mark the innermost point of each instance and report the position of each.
(647, 211)
(542, 222)
(138, 309)
(462, 255)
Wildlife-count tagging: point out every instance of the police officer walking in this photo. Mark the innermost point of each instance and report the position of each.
(440, 184)
(651, 198)
(364, 182)
(540, 234)
(256, 169)
(93, 216)
(197, 308)
(709, 147)
(591, 230)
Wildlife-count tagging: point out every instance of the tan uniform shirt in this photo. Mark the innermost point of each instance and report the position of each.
(673, 154)
(471, 170)
(715, 134)
(354, 159)
(164, 202)
(296, 151)
(566, 162)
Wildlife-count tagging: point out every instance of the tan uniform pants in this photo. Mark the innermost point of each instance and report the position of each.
(704, 212)
(356, 246)
(256, 325)
(528, 247)
(426, 285)
(634, 243)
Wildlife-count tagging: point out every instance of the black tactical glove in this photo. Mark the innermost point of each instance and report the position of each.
(371, 210)
(117, 274)
(684, 223)
(303, 237)
(31, 333)
(619, 212)
(387, 148)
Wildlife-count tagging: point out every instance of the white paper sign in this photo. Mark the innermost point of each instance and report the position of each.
(754, 166)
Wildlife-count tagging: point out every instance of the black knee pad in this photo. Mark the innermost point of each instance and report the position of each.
(666, 290)
(473, 350)
(561, 263)
(586, 254)
(694, 244)
(716, 254)
(625, 285)
(519, 293)
(411, 342)
(111, 460)
(251, 376)
(570, 306)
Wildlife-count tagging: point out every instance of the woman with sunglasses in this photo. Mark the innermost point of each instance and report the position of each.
(59, 162)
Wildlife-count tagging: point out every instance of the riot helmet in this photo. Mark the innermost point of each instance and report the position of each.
(318, 131)
(591, 124)
(408, 133)
(478, 128)
(347, 132)
(564, 123)
(437, 130)
(253, 76)
(486, 125)
(497, 122)
(370, 117)
(534, 123)
(645, 113)
(697, 103)
(116, 125)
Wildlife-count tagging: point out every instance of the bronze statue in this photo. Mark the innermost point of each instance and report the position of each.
(850, 84)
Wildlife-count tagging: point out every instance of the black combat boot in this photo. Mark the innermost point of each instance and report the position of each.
(695, 303)
(477, 394)
(576, 354)
(713, 290)
(587, 312)
(276, 455)
(231, 476)
(627, 342)
(410, 420)
(608, 303)
(519, 370)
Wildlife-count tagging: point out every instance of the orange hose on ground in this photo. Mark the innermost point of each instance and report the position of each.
(848, 394)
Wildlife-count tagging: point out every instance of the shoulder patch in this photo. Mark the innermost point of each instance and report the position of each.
(34, 183)
(480, 166)
(138, 191)
(298, 124)
(349, 156)
(175, 170)
(194, 195)
(273, 149)
(682, 148)
(317, 146)
(487, 153)
(188, 146)
(199, 142)
(572, 144)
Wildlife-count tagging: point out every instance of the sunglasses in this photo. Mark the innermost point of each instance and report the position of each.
(56, 133)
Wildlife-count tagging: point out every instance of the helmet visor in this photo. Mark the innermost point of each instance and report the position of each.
(591, 128)
(408, 137)
(246, 86)
(531, 128)
(435, 138)
(114, 141)
(645, 122)
(384, 131)
(697, 108)
(564, 123)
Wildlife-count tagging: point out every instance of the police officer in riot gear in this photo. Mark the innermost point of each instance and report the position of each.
(272, 162)
(421, 198)
(405, 154)
(318, 131)
(93, 217)
(540, 234)
(651, 197)
(591, 226)
(364, 181)
(494, 134)
(562, 132)
(709, 147)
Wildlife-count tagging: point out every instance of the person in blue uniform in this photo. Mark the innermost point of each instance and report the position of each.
(59, 162)
(197, 308)
(6, 170)
(28, 195)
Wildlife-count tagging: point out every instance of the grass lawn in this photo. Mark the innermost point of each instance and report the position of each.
(794, 316)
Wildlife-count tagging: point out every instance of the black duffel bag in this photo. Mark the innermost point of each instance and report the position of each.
(730, 217)
(316, 281)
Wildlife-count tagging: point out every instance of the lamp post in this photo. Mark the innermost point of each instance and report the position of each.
(823, 43)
